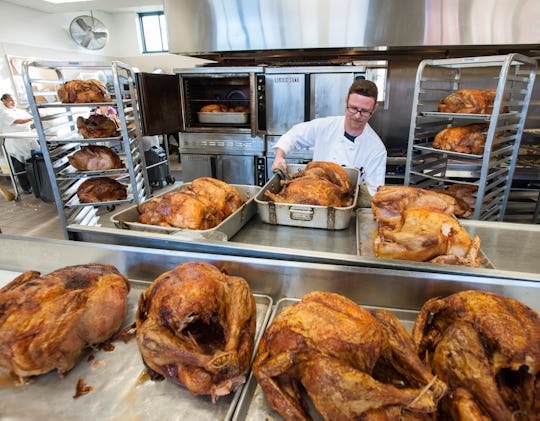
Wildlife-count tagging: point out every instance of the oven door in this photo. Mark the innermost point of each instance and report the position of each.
(237, 94)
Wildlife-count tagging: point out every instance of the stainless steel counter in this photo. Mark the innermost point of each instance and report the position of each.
(511, 248)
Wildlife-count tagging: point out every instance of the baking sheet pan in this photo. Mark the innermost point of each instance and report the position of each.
(122, 391)
(365, 231)
(223, 118)
(129, 218)
(308, 216)
(253, 406)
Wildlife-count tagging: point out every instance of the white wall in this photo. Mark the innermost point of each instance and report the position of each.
(29, 33)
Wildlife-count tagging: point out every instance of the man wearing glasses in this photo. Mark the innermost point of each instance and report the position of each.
(346, 140)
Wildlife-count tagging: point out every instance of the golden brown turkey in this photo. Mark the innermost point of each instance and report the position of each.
(95, 158)
(47, 321)
(319, 183)
(427, 235)
(351, 362)
(83, 91)
(390, 201)
(469, 101)
(196, 327)
(486, 347)
(202, 205)
(97, 126)
(180, 209)
(468, 139)
(101, 189)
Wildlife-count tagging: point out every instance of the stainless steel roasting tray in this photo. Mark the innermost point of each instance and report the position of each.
(223, 117)
(122, 390)
(365, 231)
(309, 216)
(129, 219)
(253, 405)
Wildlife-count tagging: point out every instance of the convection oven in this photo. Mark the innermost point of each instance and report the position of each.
(228, 144)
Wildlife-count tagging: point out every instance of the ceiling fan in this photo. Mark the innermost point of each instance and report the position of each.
(89, 32)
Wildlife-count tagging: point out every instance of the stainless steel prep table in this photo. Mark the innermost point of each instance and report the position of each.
(512, 248)
(370, 286)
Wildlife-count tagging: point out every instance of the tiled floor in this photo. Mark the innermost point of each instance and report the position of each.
(32, 217)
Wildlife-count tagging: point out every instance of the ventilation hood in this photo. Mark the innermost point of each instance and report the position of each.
(281, 27)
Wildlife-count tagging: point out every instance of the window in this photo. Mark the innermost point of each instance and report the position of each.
(153, 32)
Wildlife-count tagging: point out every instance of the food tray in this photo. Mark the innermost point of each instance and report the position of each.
(365, 232)
(121, 389)
(223, 118)
(129, 218)
(309, 216)
(252, 405)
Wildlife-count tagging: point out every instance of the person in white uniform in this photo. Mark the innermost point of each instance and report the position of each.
(13, 119)
(346, 140)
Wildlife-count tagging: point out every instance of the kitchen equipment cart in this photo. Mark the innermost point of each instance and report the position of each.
(491, 172)
(56, 126)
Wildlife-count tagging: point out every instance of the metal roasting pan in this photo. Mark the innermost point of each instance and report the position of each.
(129, 219)
(122, 391)
(253, 405)
(223, 118)
(309, 216)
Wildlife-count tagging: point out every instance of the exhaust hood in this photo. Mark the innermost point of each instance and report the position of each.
(200, 27)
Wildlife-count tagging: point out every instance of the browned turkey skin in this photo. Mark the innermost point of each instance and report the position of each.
(468, 139)
(47, 321)
(196, 327)
(390, 201)
(204, 204)
(470, 101)
(83, 91)
(101, 189)
(486, 347)
(97, 127)
(319, 183)
(351, 362)
(95, 158)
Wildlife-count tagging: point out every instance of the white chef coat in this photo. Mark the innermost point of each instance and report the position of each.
(327, 137)
(21, 149)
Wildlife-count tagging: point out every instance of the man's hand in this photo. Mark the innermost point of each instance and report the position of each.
(279, 160)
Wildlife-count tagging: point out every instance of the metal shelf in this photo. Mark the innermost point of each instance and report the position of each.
(56, 126)
(513, 77)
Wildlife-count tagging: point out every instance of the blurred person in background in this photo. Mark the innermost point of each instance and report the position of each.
(16, 120)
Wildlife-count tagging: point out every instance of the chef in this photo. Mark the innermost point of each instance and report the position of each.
(346, 140)
(13, 119)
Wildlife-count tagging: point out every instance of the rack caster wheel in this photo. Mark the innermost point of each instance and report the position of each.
(110, 208)
(170, 180)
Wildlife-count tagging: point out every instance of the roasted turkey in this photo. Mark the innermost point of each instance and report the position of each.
(465, 192)
(469, 101)
(427, 235)
(202, 205)
(180, 209)
(95, 158)
(468, 139)
(47, 321)
(97, 126)
(196, 327)
(219, 194)
(83, 91)
(319, 183)
(101, 189)
(390, 201)
(351, 362)
(486, 347)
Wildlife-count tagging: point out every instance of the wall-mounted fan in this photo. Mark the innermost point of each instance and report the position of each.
(89, 32)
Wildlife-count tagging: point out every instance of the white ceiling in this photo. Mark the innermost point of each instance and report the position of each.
(107, 6)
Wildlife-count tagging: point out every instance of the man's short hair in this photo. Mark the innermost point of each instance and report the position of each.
(364, 87)
(5, 96)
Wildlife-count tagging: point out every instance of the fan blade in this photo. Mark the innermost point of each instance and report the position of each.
(85, 42)
(99, 35)
(82, 24)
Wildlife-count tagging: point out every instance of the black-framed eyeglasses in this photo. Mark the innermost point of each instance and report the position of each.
(352, 110)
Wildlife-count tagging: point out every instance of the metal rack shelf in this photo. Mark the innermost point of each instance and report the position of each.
(56, 126)
(512, 76)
